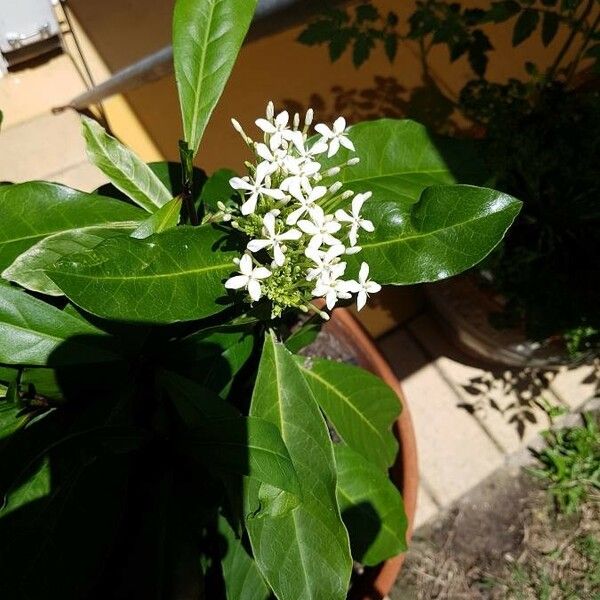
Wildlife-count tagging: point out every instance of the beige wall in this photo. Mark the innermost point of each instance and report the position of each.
(281, 69)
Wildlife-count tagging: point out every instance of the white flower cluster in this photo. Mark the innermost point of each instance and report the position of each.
(299, 230)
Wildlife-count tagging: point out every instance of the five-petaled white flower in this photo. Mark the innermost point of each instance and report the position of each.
(250, 278)
(304, 151)
(335, 136)
(273, 239)
(363, 287)
(321, 227)
(307, 199)
(260, 185)
(331, 289)
(327, 264)
(276, 157)
(355, 220)
(278, 129)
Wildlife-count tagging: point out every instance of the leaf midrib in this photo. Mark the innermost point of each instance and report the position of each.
(345, 399)
(183, 273)
(200, 79)
(395, 174)
(398, 240)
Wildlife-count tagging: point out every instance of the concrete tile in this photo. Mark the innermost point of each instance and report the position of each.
(427, 509)
(47, 144)
(454, 451)
(508, 402)
(577, 386)
(33, 91)
(84, 176)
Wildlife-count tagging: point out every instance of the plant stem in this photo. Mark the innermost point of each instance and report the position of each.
(583, 48)
(188, 211)
(569, 41)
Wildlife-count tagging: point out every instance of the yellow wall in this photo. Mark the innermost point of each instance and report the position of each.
(280, 69)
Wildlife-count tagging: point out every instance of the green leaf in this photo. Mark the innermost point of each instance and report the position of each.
(304, 553)
(525, 26)
(125, 170)
(207, 36)
(400, 158)
(35, 487)
(28, 269)
(361, 407)
(449, 230)
(35, 333)
(217, 189)
(243, 580)
(166, 217)
(194, 403)
(60, 542)
(372, 508)
(304, 335)
(172, 276)
(211, 357)
(247, 446)
(35, 210)
(549, 27)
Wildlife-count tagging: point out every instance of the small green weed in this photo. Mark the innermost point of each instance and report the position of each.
(570, 464)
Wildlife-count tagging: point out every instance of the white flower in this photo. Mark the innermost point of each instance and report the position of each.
(301, 172)
(355, 220)
(307, 201)
(321, 228)
(327, 264)
(250, 278)
(260, 185)
(278, 129)
(273, 240)
(363, 287)
(273, 157)
(331, 289)
(305, 152)
(335, 136)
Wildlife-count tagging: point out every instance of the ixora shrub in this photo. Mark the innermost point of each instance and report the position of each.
(160, 437)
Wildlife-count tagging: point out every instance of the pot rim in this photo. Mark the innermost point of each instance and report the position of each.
(377, 582)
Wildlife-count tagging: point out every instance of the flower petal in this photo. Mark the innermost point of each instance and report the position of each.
(254, 290)
(236, 282)
(258, 245)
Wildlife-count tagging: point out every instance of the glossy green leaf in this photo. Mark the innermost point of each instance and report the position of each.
(360, 406)
(247, 446)
(32, 211)
(35, 333)
(60, 542)
(449, 230)
(243, 580)
(166, 217)
(207, 36)
(211, 357)
(400, 158)
(28, 268)
(372, 508)
(125, 170)
(304, 553)
(305, 335)
(35, 487)
(217, 189)
(172, 276)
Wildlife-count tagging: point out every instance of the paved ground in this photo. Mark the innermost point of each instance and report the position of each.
(471, 420)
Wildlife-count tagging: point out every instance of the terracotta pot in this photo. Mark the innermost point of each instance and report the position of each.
(377, 582)
(463, 309)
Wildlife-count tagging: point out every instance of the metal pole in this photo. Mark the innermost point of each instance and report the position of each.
(271, 16)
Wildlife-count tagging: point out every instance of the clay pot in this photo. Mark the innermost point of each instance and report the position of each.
(377, 582)
(463, 308)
